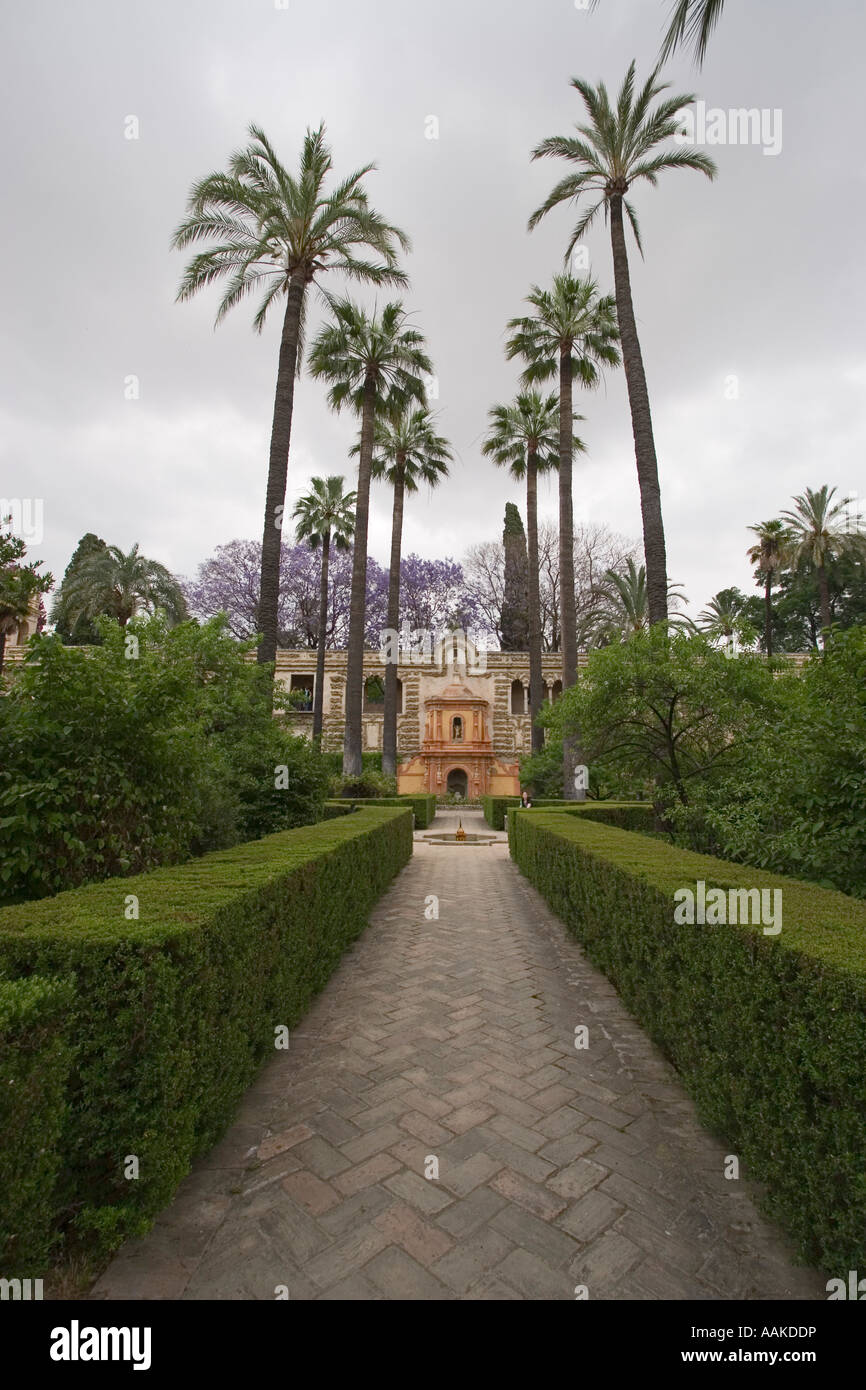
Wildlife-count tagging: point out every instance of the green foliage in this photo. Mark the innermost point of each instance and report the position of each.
(542, 772)
(80, 632)
(628, 815)
(20, 584)
(107, 582)
(766, 1032)
(115, 763)
(668, 708)
(423, 805)
(174, 1012)
(797, 803)
(35, 1058)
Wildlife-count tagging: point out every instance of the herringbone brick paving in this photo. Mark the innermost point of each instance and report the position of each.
(453, 1039)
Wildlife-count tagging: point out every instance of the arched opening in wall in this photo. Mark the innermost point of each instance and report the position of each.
(518, 698)
(374, 695)
(556, 691)
(457, 730)
(458, 782)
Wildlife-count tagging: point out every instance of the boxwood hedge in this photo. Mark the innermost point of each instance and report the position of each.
(767, 1032)
(175, 1008)
(35, 1057)
(423, 805)
(631, 815)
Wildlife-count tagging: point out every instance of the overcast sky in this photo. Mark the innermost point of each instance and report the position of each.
(757, 276)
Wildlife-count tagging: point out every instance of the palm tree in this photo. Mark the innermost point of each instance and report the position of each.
(627, 600)
(369, 359)
(723, 616)
(524, 437)
(121, 585)
(817, 538)
(692, 22)
(324, 517)
(279, 233)
(616, 149)
(408, 452)
(570, 335)
(769, 555)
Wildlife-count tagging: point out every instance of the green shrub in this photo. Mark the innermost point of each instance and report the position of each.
(767, 1032)
(113, 762)
(175, 1010)
(632, 815)
(796, 803)
(35, 1058)
(423, 805)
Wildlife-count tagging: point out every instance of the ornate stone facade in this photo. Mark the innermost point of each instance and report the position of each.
(492, 705)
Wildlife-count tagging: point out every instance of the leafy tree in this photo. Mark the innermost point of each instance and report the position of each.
(571, 334)
(324, 517)
(368, 360)
(524, 438)
(281, 233)
(667, 708)
(228, 583)
(768, 555)
(796, 804)
(82, 633)
(817, 538)
(20, 585)
(435, 598)
(619, 146)
(408, 452)
(117, 585)
(114, 764)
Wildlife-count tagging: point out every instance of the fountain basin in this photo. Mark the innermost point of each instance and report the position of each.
(451, 839)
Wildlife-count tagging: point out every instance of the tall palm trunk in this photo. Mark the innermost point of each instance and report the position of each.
(536, 686)
(389, 738)
(642, 425)
(824, 591)
(319, 697)
(353, 763)
(571, 755)
(768, 614)
(278, 472)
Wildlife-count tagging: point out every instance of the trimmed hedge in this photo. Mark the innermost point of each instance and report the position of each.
(423, 805)
(35, 1057)
(496, 808)
(767, 1032)
(332, 810)
(175, 1011)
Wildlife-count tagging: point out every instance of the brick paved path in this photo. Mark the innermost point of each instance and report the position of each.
(454, 1039)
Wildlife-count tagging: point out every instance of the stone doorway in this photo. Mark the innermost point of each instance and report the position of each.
(458, 783)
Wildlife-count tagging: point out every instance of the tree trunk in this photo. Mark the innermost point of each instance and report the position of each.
(768, 614)
(319, 698)
(2, 647)
(353, 763)
(389, 736)
(278, 472)
(824, 591)
(572, 758)
(642, 425)
(536, 686)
